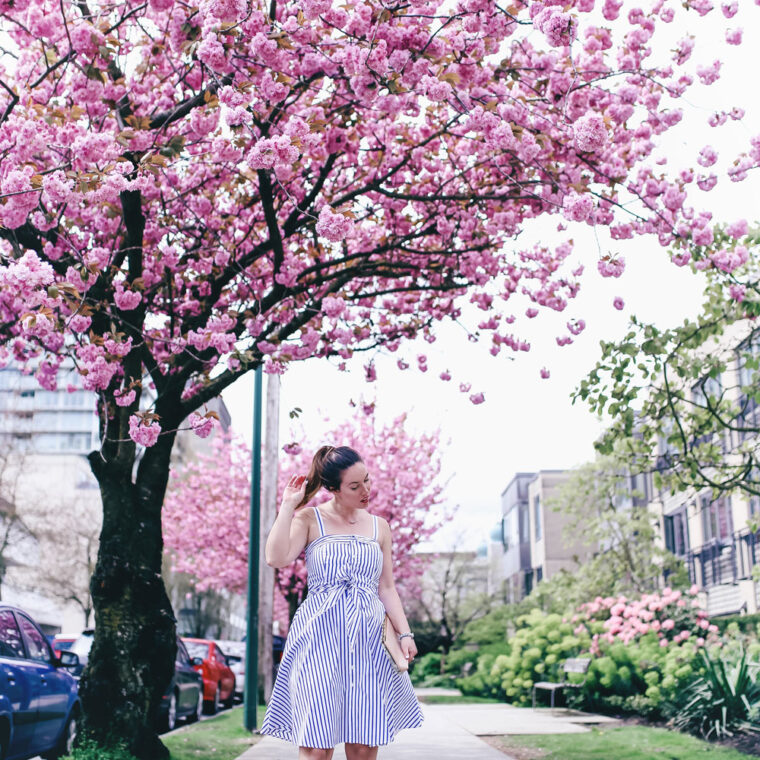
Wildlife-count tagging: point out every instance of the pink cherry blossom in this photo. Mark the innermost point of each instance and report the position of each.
(734, 36)
(333, 226)
(618, 303)
(143, 432)
(612, 266)
(544, 373)
(577, 208)
(590, 133)
(202, 425)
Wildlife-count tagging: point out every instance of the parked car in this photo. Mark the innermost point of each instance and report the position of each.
(39, 701)
(218, 678)
(81, 648)
(235, 651)
(61, 642)
(183, 697)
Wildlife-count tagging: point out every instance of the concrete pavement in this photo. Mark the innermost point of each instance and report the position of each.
(450, 732)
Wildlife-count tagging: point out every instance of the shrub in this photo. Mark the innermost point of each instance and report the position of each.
(749, 624)
(722, 699)
(87, 749)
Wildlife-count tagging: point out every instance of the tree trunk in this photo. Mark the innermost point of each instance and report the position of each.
(132, 657)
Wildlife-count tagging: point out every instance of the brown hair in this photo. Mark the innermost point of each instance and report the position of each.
(326, 470)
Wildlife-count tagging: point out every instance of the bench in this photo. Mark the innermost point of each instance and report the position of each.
(572, 665)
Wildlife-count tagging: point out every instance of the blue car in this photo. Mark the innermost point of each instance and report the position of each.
(39, 704)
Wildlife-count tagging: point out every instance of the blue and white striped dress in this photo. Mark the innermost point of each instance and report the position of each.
(335, 682)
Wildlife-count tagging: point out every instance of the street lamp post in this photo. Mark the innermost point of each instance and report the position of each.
(251, 694)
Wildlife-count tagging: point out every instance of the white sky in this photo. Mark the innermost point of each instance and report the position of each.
(528, 423)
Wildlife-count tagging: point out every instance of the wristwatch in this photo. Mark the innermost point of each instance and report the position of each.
(407, 635)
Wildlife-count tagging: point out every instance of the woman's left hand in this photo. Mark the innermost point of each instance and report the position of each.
(409, 648)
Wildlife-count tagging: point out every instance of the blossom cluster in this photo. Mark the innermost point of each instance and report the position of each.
(673, 616)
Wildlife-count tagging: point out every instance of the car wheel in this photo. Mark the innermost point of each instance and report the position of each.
(213, 707)
(196, 716)
(170, 721)
(66, 742)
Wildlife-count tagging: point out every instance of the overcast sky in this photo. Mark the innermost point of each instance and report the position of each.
(527, 423)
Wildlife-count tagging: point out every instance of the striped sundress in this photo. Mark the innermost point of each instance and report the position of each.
(335, 682)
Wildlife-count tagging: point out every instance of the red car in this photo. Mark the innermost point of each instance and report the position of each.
(62, 642)
(218, 678)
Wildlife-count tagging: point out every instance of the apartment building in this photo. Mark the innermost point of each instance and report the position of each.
(45, 436)
(717, 536)
(530, 542)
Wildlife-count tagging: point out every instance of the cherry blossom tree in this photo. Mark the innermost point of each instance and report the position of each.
(406, 490)
(206, 511)
(189, 192)
(206, 516)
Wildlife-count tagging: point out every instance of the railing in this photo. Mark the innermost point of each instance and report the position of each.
(726, 561)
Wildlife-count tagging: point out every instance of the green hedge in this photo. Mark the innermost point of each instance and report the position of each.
(748, 624)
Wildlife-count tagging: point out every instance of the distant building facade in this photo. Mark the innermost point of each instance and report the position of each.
(529, 543)
(46, 436)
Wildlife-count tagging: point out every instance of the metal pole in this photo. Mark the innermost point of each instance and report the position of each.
(251, 694)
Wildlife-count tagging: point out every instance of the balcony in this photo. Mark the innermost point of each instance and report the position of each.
(717, 563)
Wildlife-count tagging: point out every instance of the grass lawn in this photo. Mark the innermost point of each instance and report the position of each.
(452, 699)
(624, 743)
(221, 738)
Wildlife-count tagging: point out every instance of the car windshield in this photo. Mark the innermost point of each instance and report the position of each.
(195, 649)
(82, 645)
(62, 644)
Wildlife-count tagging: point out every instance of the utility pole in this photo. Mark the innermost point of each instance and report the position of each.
(251, 693)
(270, 457)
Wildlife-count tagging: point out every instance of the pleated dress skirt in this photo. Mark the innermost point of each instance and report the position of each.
(335, 682)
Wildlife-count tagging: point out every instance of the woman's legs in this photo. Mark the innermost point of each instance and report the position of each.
(360, 752)
(314, 753)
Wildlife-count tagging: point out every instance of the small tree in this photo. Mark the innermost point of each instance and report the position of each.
(447, 601)
(15, 530)
(67, 534)
(621, 538)
(406, 490)
(685, 399)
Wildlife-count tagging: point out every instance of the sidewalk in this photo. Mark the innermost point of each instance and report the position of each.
(450, 732)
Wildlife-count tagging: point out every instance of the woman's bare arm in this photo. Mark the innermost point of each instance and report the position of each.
(388, 594)
(290, 531)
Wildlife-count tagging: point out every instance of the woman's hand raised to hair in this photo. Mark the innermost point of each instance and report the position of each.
(294, 492)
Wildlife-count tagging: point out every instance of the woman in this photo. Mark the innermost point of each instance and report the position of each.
(336, 682)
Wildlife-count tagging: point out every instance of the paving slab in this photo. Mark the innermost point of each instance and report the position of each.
(437, 737)
(450, 732)
(498, 719)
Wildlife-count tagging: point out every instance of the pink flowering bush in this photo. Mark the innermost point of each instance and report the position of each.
(673, 616)
(643, 652)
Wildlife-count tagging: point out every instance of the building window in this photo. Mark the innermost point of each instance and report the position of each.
(717, 524)
(677, 533)
(539, 574)
(537, 516)
(748, 355)
(524, 527)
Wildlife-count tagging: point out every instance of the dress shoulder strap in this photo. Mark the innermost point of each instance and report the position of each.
(319, 521)
(374, 527)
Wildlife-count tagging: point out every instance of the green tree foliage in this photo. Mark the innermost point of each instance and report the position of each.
(686, 399)
(619, 534)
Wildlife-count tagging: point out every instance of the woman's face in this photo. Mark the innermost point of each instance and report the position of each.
(354, 487)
